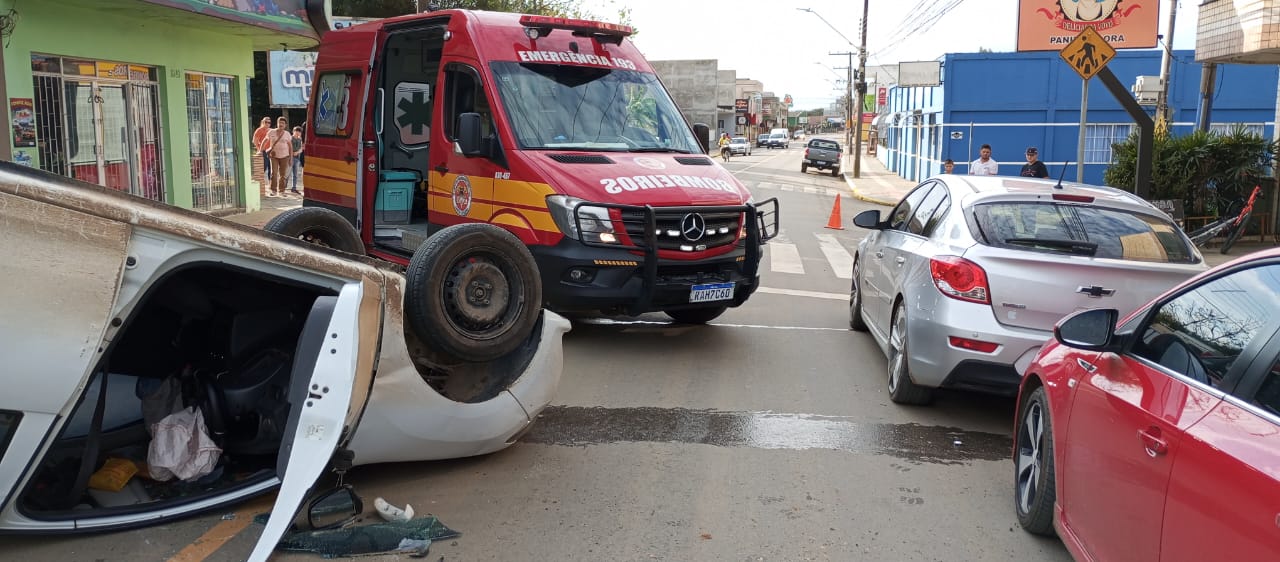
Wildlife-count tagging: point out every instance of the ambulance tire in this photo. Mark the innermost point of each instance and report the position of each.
(317, 226)
(696, 315)
(473, 292)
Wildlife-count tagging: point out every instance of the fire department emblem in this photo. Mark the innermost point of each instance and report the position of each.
(650, 163)
(462, 196)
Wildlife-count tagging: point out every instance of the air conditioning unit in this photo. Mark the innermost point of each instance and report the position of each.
(1146, 89)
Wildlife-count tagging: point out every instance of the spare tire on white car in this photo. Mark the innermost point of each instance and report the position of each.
(473, 291)
(319, 226)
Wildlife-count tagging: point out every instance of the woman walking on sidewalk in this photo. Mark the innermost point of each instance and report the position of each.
(281, 149)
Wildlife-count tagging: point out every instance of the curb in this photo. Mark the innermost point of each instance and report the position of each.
(848, 179)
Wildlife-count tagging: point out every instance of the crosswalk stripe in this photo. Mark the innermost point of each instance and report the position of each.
(785, 258)
(839, 258)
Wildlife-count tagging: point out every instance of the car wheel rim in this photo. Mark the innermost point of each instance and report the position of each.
(854, 295)
(1030, 456)
(317, 237)
(898, 360)
(478, 295)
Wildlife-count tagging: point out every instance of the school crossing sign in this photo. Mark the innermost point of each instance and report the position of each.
(1088, 53)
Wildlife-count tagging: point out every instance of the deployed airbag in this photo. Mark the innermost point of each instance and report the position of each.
(181, 447)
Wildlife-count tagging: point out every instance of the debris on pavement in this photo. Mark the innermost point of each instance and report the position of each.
(390, 512)
(411, 537)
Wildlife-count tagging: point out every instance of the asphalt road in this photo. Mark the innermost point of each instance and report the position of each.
(767, 435)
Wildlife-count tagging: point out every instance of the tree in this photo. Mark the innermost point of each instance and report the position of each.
(1206, 170)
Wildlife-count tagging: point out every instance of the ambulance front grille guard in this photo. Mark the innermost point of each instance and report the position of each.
(641, 227)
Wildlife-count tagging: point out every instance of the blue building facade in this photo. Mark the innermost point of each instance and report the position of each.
(1016, 100)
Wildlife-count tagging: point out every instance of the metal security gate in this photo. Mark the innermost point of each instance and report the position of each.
(215, 178)
(102, 131)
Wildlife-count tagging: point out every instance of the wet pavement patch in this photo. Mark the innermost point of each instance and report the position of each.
(579, 426)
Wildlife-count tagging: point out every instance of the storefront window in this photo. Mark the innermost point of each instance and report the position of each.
(99, 122)
(215, 183)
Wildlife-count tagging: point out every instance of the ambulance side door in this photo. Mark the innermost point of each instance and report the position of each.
(332, 173)
(462, 186)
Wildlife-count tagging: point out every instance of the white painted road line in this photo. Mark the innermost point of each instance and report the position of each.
(785, 258)
(839, 258)
(799, 293)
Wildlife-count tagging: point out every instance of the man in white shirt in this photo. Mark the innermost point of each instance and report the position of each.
(984, 165)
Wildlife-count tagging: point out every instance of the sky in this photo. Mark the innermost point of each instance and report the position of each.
(787, 49)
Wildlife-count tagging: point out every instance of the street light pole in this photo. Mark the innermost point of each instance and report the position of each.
(862, 92)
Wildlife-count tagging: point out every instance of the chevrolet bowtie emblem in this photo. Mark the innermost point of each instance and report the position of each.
(1096, 292)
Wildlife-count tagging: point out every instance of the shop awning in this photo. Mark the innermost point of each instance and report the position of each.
(280, 24)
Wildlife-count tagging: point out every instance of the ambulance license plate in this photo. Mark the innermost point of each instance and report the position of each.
(711, 292)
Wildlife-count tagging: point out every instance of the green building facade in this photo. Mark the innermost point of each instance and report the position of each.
(148, 97)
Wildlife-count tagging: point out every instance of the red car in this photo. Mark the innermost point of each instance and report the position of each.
(1158, 437)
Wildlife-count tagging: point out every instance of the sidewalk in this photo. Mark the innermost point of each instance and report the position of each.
(877, 185)
(271, 206)
(880, 186)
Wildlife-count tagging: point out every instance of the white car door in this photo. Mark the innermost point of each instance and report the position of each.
(329, 349)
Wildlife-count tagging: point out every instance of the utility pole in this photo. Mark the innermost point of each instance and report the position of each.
(848, 92)
(862, 93)
(1162, 100)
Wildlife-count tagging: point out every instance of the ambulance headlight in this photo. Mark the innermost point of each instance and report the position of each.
(595, 222)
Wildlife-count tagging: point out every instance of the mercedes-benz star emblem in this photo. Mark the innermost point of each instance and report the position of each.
(693, 226)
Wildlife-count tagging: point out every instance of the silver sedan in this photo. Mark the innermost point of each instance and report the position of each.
(964, 280)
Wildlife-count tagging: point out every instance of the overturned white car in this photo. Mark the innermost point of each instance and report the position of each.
(267, 359)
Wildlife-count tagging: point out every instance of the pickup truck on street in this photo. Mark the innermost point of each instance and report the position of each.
(822, 154)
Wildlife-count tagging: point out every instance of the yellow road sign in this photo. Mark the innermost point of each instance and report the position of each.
(1087, 53)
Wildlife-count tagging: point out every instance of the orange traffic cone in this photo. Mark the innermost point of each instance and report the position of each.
(834, 221)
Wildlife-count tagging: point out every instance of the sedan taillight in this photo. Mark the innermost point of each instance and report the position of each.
(960, 279)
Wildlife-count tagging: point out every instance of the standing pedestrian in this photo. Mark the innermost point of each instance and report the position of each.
(297, 157)
(948, 166)
(984, 165)
(280, 145)
(259, 138)
(1034, 168)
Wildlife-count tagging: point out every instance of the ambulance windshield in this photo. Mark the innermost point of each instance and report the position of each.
(571, 107)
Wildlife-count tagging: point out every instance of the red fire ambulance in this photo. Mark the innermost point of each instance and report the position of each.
(556, 130)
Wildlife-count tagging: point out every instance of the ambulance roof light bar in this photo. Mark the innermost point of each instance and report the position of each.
(541, 26)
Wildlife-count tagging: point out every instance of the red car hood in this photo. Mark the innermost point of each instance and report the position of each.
(640, 179)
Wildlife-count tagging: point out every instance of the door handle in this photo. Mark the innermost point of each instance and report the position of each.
(1151, 440)
(349, 157)
(442, 169)
(900, 260)
(879, 254)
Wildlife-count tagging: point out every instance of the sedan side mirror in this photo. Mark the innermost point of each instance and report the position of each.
(334, 509)
(1090, 330)
(868, 219)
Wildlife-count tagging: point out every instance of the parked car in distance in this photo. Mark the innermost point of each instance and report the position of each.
(762, 140)
(1157, 436)
(822, 154)
(962, 283)
(739, 145)
(778, 140)
(286, 358)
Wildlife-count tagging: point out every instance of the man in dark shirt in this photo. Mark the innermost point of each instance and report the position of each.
(1034, 168)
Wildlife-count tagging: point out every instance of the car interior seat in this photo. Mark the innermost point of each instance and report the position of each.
(1171, 352)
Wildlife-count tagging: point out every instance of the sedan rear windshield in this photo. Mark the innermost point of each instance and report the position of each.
(1080, 230)
(824, 144)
